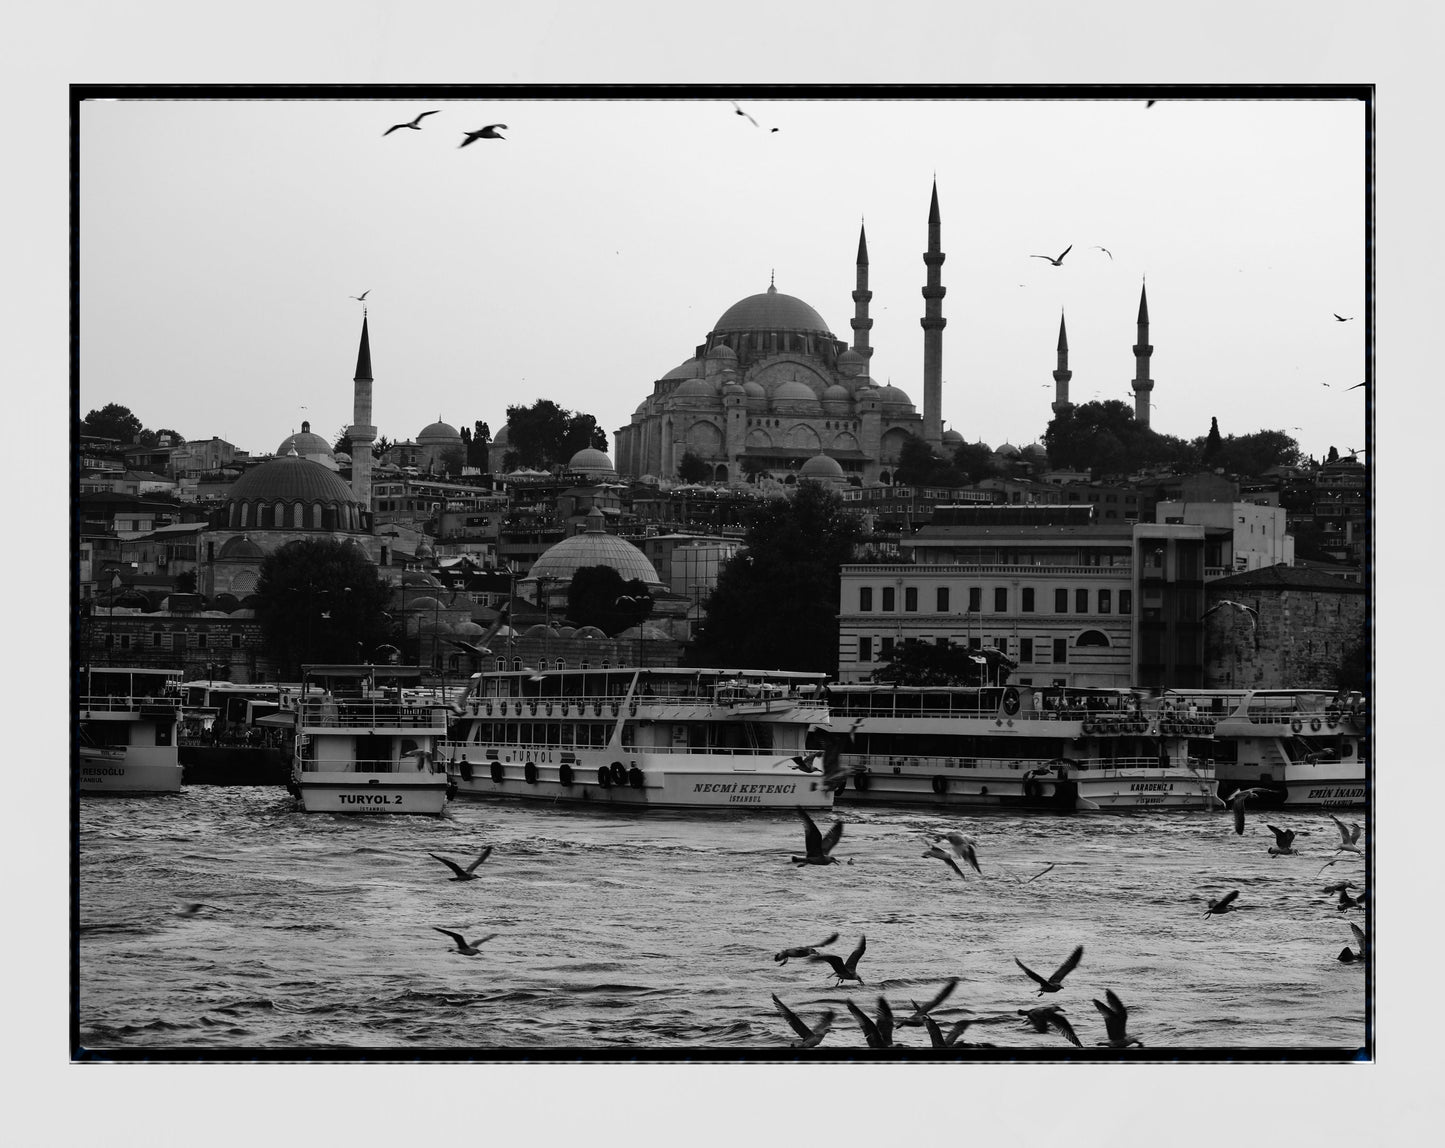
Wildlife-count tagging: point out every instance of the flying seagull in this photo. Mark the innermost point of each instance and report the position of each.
(1249, 611)
(1048, 1017)
(467, 874)
(921, 1011)
(1356, 387)
(817, 845)
(1053, 983)
(1116, 1016)
(807, 1037)
(1347, 956)
(1105, 250)
(1349, 838)
(1059, 262)
(844, 970)
(487, 133)
(1224, 905)
(963, 846)
(1341, 318)
(804, 762)
(1283, 841)
(878, 1034)
(803, 950)
(415, 124)
(1348, 902)
(1237, 801)
(1041, 872)
(945, 856)
(465, 947)
(742, 113)
(362, 297)
(936, 1036)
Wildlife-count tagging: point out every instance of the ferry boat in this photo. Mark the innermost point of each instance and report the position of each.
(675, 738)
(235, 734)
(998, 746)
(127, 730)
(363, 744)
(1302, 747)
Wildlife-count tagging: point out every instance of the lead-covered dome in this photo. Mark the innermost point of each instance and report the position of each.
(591, 461)
(438, 434)
(593, 547)
(305, 444)
(292, 493)
(771, 311)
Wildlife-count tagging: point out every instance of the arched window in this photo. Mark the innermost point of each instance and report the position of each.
(1092, 638)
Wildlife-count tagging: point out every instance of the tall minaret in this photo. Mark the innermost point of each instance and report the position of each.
(362, 433)
(1142, 383)
(861, 323)
(933, 323)
(1062, 376)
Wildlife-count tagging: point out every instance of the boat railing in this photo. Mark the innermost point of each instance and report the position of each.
(492, 749)
(370, 765)
(613, 705)
(113, 703)
(322, 714)
(1093, 766)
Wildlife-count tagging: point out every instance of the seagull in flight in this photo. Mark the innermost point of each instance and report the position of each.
(1224, 905)
(844, 970)
(742, 113)
(807, 1037)
(465, 947)
(945, 856)
(362, 297)
(1053, 983)
(1249, 611)
(1356, 387)
(487, 133)
(804, 762)
(1283, 842)
(1237, 801)
(467, 874)
(803, 950)
(1040, 873)
(1059, 262)
(938, 1039)
(1116, 1016)
(1348, 902)
(1047, 1017)
(879, 1034)
(816, 845)
(921, 1011)
(963, 846)
(415, 124)
(1105, 250)
(1341, 318)
(1347, 956)
(1349, 838)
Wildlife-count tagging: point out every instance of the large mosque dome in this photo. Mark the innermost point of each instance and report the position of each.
(771, 311)
(292, 493)
(438, 434)
(593, 547)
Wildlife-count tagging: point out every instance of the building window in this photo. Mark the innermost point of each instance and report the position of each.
(156, 638)
(1105, 601)
(865, 599)
(201, 641)
(235, 641)
(1126, 601)
(885, 649)
(1000, 599)
(975, 599)
(865, 649)
(125, 641)
(1081, 601)
(1026, 649)
(1061, 650)
(1028, 600)
(1061, 601)
(888, 600)
(1092, 638)
(942, 606)
(910, 599)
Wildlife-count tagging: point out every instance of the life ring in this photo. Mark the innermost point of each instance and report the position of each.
(619, 773)
(451, 790)
(1011, 701)
(861, 781)
(1333, 719)
(604, 777)
(549, 709)
(1296, 725)
(635, 778)
(489, 709)
(597, 708)
(1090, 726)
(498, 773)
(531, 709)
(529, 773)
(940, 783)
(1032, 789)
(564, 775)
(502, 708)
(466, 770)
(615, 709)
(1315, 725)
(632, 707)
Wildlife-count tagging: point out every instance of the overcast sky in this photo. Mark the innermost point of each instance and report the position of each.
(593, 248)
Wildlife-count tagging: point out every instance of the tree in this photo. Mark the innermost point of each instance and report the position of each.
(342, 445)
(974, 461)
(113, 421)
(926, 664)
(1105, 438)
(690, 468)
(776, 602)
(1253, 454)
(186, 582)
(597, 596)
(319, 600)
(477, 445)
(1213, 444)
(752, 467)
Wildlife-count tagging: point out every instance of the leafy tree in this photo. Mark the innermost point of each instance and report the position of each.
(1104, 437)
(381, 446)
(925, 664)
(690, 468)
(974, 461)
(477, 445)
(1333, 456)
(752, 467)
(544, 435)
(342, 445)
(186, 582)
(451, 460)
(598, 596)
(319, 600)
(1213, 444)
(776, 602)
(113, 421)
(1253, 454)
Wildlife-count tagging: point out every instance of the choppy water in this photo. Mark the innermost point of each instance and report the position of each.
(654, 934)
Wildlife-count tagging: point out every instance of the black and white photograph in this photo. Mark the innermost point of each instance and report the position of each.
(620, 594)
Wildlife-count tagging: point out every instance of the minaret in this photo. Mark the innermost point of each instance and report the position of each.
(1142, 383)
(933, 323)
(861, 323)
(362, 433)
(1062, 376)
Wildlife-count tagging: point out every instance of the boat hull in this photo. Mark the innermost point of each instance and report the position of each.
(946, 786)
(234, 765)
(361, 793)
(137, 769)
(1152, 789)
(1332, 785)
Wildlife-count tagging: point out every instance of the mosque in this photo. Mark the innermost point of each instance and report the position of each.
(772, 389)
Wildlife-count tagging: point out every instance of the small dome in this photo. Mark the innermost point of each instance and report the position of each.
(820, 466)
(690, 369)
(1008, 450)
(892, 394)
(795, 394)
(836, 393)
(754, 389)
(566, 631)
(342, 457)
(1036, 451)
(952, 438)
(468, 630)
(305, 444)
(591, 461)
(540, 630)
(241, 549)
(733, 387)
(419, 578)
(423, 603)
(695, 389)
(592, 547)
(984, 445)
(438, 433)
(722, 351)
(590, 632)
(850, 362)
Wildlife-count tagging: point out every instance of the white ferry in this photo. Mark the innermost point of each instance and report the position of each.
(641, 736)
(362, 745)
(1062, 748)
(127, 730)
(1303, 747)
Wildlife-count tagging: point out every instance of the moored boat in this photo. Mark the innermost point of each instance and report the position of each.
(235, 734)
(1301, 747)
(364, 745)
(640, 737)
(127, 720)
(997, 746)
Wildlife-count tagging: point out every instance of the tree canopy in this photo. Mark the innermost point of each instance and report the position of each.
(776, 601)
(544, 435)
(690, 468)
(113, 421)
(319, 600)
(598, 596)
